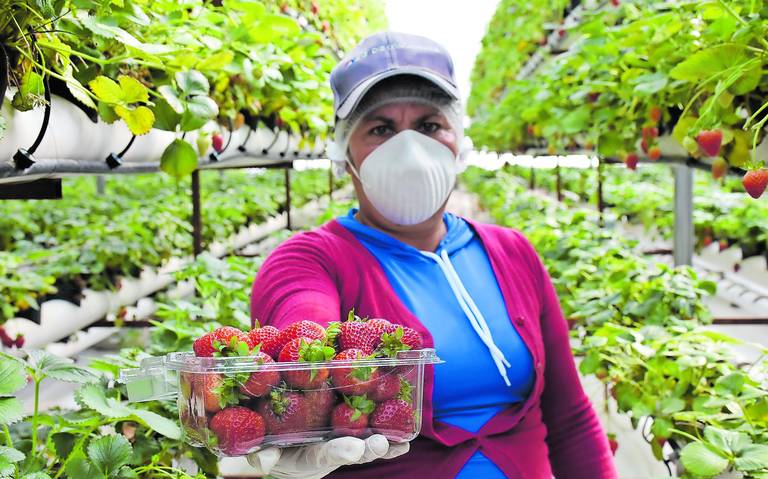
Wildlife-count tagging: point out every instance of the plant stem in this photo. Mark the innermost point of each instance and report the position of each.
(33, 449)
(738, 18)
(8, 439)
(684, 434)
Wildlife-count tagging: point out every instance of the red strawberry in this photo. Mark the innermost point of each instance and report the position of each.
(612, 443)
(650, 132)
(5, 338)
(356, 334)
(218, 142)
(615, 3)
(644, 145)
(315, 8)
(350, 418)
(394, 419)
(261, 382)
(655, 114)
(353, 381)
(631, 161)
(284, 8)
(267, 338)
(707, 240)
(238, 430)
(561, 33)
(306, 350)
(755, 182)
(320, 403)
(380, 326)
(284, 412)
(709, 141)
(654, 153)
(593, 96)
(326, 26)
(719, 167)
(722, 244)
(299, 329)
(226, 341)
(387, 386)
(19, 342)
(412, 338)
(209, 387)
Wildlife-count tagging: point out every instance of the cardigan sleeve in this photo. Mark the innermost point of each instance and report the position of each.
(578, 445)
(296, 282)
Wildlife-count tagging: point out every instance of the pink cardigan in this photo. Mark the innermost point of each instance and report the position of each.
(322, 274)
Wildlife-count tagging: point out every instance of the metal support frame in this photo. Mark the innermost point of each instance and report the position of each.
(44, 189)
(600, 200)
(101, 184)
(197, 221)
(532, 179)
(330, 183)
(558, 182)
(684, 233)
(288, 223)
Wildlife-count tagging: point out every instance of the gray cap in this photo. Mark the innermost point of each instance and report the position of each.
(386, 54)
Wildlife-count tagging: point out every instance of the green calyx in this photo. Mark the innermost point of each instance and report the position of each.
(406, 390)
(360, 405)
(392, 343)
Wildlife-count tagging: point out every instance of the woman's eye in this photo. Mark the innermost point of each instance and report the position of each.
(430, 127)
(380, 130)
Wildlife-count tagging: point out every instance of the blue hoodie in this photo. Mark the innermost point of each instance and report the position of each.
(469, 388)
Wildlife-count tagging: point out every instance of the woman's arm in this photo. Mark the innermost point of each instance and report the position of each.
(296, 282)
(578, 446)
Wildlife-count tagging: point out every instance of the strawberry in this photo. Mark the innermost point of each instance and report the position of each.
(402, 339)
(719, 167)
(755, 182)
(389, 386)
(284, 412)
(593, 96)
(353, 381)
(210, 388)
(380, 326)
(412, 338)
(356, 334)
(706, 241)
(612, 443)
(654, 114)
(239, 121)
(306, 350)
(203, 143)
(615, 3)
(394, 419)
(644, 145)
(722, 244)
(320, 403)
(218, 142)
(299, 329)
(650, 132)
(19, 342)
(654, 153)
(350, 418)
(224, 341)
(315, 8)
(631, 161)
(284, 8)
(326, 26)
(5, 338)
(267, 338)
(259, 383)
(709, 141)
(238, 430)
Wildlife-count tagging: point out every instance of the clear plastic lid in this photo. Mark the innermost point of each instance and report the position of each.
(157, 377)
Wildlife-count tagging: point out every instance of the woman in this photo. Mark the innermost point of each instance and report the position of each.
(507, 402)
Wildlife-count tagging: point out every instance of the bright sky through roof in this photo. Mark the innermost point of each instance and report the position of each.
(458, 24)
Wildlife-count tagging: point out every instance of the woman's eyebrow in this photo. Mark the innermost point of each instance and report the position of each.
(383, 119)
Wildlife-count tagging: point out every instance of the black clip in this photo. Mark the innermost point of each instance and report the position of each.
(115, 160)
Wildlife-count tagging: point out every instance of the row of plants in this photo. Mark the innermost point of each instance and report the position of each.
(182, 67)
(640, 79)
(106, 437)
(721, 215)
(93, 240)
(637, 327)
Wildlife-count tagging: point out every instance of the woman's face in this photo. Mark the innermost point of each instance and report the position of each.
(383, 123)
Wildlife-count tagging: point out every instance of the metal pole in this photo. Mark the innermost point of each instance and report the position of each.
(683, 244)
(100, 184)
(288, 198)
(197, 222)
(330, 183)
(600, 201)
(532, 182)
(559, 182)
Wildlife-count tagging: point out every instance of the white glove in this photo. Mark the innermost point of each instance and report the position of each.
(319, 460)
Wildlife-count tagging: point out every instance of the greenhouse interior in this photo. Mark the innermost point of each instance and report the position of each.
(383, 239)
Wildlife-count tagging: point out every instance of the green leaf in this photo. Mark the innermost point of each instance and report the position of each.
(706, 63)
(216, 61)
(11, 455)
(92, 396)
(671, 405)
(36, 475)
(107, 113)
(106, 90)
(13, 376)
(179, 159)
(133, 90)
(650, 84)
(11, 410)
(77, 89)
(701, 460)
(192, 82)
(63, 442)
(63, 369)
(158, 423)
(753, 458)
(272, 27)
(139, 120)
(169, 95)
(199, 110)
(725, 440)
(165, 117)
(110, 453)
(732, 383)
(81, 468)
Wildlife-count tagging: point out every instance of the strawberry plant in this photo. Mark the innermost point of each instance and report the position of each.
(689, 70)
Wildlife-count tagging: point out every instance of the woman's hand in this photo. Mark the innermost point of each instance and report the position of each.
(318, 460)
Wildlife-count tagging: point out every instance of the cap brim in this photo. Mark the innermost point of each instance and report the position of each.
(360, 90)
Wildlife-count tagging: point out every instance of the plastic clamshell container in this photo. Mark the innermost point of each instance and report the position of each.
(291, 415)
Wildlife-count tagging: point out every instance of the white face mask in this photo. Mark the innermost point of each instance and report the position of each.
(408, 177)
